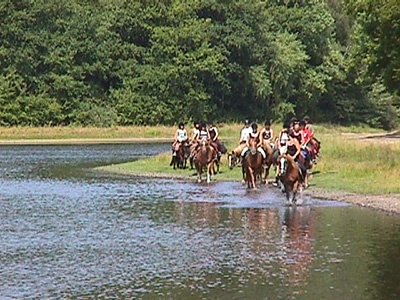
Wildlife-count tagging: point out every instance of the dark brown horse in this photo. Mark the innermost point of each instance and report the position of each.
(179, 158)
(252, 164)
(289, 176)
(204, 156)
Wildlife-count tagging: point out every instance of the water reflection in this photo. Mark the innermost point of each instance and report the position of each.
(298, 230)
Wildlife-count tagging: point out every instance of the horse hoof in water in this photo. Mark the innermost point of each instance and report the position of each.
(199, 180)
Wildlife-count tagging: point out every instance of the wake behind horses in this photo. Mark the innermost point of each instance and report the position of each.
(291, 154)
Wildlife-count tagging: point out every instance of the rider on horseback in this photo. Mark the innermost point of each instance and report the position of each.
(214, 135)
(281, 147)
(204, 135)
(195, 131)
(296, 132)
(245, 132)
(267, 134)
(309, 126)
(179, 137)
(254, 134)
(313, 140)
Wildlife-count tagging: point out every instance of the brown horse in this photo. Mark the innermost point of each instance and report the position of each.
(289, 176)
(268, 161)
(252, 164)
(204, 157)
(180, 156)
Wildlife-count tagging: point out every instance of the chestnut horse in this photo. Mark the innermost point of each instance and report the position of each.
(204, 156)
(289, 176)
(252, 164)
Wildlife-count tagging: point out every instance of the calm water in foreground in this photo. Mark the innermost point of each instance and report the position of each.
(67, 231)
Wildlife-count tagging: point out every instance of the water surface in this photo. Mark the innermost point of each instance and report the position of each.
(67, 231)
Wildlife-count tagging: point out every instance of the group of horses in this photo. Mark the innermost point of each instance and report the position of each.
(201, 154)
(292, 175)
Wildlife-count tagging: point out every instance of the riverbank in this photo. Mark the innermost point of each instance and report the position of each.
(358, 167)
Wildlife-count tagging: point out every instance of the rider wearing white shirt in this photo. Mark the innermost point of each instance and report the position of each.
(245, 132)
(179, 137)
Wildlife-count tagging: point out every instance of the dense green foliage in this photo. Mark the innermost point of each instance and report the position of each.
(149, 62)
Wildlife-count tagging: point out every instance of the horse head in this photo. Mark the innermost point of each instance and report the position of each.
(204, 147)
(253, 146)
(232, 159)
(186, 149)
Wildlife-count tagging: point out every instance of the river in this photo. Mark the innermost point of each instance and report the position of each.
(67, 231)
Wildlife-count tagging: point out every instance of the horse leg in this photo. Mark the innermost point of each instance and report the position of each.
(191, 162)
(289, 194)
(199, 169)
(266, 173)
(306, 179)
(294, 191)
(210, 167)
(252, 178)
(244, 179)
(248, 179)
(281, 186)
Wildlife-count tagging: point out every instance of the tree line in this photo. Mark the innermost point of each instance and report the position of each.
(119, 62)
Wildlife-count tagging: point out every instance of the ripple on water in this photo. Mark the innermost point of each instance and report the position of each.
(76, 236)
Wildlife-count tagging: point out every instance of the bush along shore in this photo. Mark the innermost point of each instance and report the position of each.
(357, 165)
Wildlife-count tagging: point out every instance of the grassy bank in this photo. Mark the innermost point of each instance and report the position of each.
(347, 162)
(158, 166)
(358, 166)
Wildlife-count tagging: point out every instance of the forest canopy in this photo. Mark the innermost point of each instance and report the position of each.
(115, 62)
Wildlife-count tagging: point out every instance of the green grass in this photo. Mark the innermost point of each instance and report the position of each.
(347, 164)
(357, 166)
(336, 129)
(159, 165)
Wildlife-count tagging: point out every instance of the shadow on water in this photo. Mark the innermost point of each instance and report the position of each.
(68, 232)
